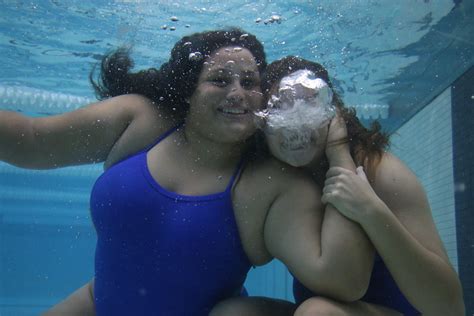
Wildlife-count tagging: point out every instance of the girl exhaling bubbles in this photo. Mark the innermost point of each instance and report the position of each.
(381, 220)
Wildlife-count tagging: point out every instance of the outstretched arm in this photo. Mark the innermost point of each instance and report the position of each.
(83, 136)
(396, 216)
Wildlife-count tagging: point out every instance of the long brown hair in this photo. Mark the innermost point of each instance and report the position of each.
(366, 144)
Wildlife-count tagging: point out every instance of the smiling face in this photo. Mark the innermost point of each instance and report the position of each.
(227, 95)
(300, 108)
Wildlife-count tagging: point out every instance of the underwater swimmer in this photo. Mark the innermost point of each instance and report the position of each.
(408, 272)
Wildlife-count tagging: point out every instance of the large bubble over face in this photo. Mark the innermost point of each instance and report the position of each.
(296, 113)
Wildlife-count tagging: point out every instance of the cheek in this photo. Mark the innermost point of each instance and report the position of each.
(256, 99)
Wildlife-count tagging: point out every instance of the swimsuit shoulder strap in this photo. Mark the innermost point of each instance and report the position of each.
(237, 172)
(162, 136)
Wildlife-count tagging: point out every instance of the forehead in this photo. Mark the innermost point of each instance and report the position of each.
(234, 59)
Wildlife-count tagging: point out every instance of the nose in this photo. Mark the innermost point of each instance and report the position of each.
(236, 93)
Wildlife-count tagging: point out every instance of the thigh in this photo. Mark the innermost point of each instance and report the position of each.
(319, 306)
(253, 306)
(79, 303)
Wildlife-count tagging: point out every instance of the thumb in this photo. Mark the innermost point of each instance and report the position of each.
(360, 172)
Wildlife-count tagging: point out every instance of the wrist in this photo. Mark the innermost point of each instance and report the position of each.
(377, 215)
(340, 156)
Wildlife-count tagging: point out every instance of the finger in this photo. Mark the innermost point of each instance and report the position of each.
(360, 172)
(329, 188)
(327, 198)
(324, 198)
(334, 171)
(331, 181)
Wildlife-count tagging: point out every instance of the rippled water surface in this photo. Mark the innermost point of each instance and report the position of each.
(399, 53)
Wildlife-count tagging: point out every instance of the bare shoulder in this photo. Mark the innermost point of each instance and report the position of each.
(403, 193)
(134, 104)
(267, 180)
(146, 122)
(396, 184)
(280, 177)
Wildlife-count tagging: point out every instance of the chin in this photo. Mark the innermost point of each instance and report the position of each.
(235, 135)
(296, 158)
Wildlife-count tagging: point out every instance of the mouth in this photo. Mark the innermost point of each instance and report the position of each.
(294, 147)
(233, 111)
(296, 141)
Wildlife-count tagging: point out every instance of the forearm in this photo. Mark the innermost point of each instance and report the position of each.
(425, 278)
(346, 252)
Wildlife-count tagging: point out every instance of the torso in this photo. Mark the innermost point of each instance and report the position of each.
(250, 201)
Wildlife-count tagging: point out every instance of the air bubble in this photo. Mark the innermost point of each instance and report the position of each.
(195, 56)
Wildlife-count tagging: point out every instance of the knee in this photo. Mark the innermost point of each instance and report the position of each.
(318, 306)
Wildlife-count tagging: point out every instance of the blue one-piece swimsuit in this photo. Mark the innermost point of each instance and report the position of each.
(161, 253)
(382, 291)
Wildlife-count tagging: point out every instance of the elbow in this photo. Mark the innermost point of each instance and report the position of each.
(455, 301)
(454, 304)
(352, 291)
(346, 286)
(451, 303)
(353, 283)
(449, 307)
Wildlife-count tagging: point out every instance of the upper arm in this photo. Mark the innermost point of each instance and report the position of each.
(404, 195)
(83, 136)
(293, 227)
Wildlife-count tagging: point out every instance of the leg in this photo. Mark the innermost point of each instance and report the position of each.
(319, 306)
(79, 303)
(253, 306)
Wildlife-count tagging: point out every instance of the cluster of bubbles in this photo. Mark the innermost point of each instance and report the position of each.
(173, 28)
(273, 19)
(302, 100)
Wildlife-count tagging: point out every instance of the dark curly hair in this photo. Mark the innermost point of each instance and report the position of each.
(366, 144)
(176, 79)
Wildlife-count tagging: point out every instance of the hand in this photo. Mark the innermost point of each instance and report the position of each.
(350, 193)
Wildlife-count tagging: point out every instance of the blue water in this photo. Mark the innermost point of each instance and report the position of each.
(400, 54)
